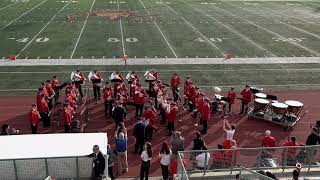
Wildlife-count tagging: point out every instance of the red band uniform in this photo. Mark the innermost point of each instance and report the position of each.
(172, 117)
(34, 119)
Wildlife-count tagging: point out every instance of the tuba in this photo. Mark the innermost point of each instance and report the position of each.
(76, 78)
(93, 78)
(114, 77)
(130, 77)
(149, 76)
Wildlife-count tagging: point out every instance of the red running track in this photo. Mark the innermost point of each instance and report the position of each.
(14, 111)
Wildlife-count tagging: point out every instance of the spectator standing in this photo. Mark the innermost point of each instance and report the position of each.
(146, 157)
(229, 130)
(218, 157)
(110, 162)
(98, 163)
(139, 134)
(34, 119)
(174, 166)
(290, 153)
(268, 140)
(197, 144)
(119, 113)
(177, 144)
(165, 159)
(121, 150)
(76, 127)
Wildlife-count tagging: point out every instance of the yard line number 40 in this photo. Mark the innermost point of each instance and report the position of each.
(24, 40)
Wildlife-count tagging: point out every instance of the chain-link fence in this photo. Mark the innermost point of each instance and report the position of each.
(252, 158)
(39, 169)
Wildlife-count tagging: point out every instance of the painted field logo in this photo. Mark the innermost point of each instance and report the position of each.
(20, 0)
(113, 15)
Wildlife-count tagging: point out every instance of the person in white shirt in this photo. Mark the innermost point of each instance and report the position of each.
(229, 130)
(146, 157)
(203, 159)
(165, 160)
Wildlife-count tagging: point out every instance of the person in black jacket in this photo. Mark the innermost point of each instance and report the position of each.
(98, 163)
(119, 113)
(138, 133)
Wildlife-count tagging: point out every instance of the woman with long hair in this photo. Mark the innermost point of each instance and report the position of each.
(165, 156)
(146, 157)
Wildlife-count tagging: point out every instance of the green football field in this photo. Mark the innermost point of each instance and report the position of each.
(157, 28)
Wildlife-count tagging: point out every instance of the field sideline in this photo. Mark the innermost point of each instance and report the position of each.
(158, 29)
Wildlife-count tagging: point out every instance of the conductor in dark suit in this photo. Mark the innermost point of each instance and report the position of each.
(98, 163)
(138, 133)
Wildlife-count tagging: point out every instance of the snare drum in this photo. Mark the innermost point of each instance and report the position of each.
(260, 95)
(260, 104)
(294, 106)
(279, 108)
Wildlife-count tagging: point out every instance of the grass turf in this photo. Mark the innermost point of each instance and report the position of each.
(191, 28)
(23, 79)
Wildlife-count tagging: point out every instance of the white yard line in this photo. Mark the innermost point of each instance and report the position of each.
(300, 19)
(173, 52)
(22, 15)
(271, 32)
(84, 25)
(170, 71)
(281, 22)
(121, 31)
(232, 30)
(25, 47)
(8, 6)
(195, 29)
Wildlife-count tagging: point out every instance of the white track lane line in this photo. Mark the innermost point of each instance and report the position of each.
(8, 6)
(173, 52)
(195, 29)
(121, 31)
(25, 47)
(232, 30)
(84, 25)
(281, 22)
(271, 32)
(22, 15)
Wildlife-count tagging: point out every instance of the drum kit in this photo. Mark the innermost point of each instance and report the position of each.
(286, 114)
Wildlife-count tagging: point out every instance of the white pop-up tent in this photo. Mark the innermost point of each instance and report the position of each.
(36, 156)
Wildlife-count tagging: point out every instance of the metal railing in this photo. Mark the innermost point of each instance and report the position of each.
(39, 168)
(252, 158)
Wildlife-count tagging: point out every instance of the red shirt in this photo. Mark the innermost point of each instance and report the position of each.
(291, 151)
(175, 82)
(108, 94)
(45, 92)
(192, 94)
(232, 96)
(49, 89)
(268, 141)
(199, 103)
(151, 115)
(156, 75)
(34, 117)
(39, 97)
(139, 96)
(43, 106)
(67, 116)
(218, 156)
(229, 154)
(205, 111)
(246, 94)
(186, 86)
(172, 115)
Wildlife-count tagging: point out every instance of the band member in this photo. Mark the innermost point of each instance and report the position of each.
(51, 93)
(199, 102)
(171, 112)
(246, 98)
(187, 85)
(155, 77)
(67, 118)
(78, 78)
(192, 95)
(149, 116)
(156, 91)
(39, 97)
(139, 96)
(96, 82)
(175, 82)
(205, 115)
(165, 101)
(108, 99)
(44, 111)
(34, 119)
(55, 84)
(232, 96)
